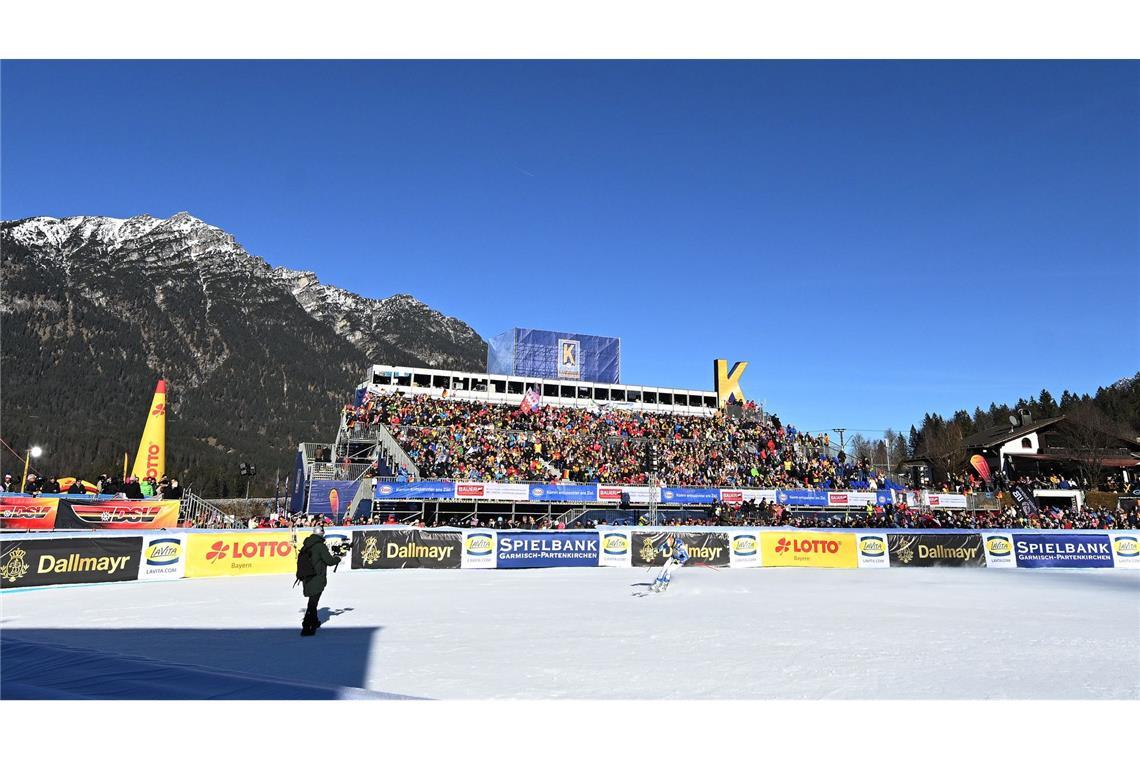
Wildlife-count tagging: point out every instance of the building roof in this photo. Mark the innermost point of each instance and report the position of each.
(1000, 434)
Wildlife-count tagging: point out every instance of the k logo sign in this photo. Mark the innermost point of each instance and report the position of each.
(569, 356)
(726, 383)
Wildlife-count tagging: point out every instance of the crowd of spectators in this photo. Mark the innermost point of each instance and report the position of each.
(468, 440)
(130, 488)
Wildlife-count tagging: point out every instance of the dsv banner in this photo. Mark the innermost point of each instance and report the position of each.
(406, 548)
(936, 549)
(704, 548)
(69, 560)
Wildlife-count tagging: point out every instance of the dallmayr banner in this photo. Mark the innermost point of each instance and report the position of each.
(1126, 548)
(743, 548)
(28, 513)
(253, 553)
(163, 557)
(406, 548)
(808, 549)
(704, 548)
(547, 549)
(1062, 549)
(119, 514)
(69, 560)
(614, 547)
(478, 549)
(936, 550)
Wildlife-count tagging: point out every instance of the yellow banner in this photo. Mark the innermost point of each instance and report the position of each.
(150, 462)
(252, 553)
(808, 549)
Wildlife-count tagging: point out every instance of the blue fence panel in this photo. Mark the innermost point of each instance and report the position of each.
(584, 492)
(557, 549)
(689, 495)
(421, 489)
(1062, 550)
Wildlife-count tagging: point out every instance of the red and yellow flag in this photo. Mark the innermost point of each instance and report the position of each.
(150, 462)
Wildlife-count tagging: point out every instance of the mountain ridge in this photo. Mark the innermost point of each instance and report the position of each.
(258, 357)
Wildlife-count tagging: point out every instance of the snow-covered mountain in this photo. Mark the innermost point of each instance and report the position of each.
(95, 309)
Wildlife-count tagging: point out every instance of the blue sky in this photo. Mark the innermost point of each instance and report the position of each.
(878, 239)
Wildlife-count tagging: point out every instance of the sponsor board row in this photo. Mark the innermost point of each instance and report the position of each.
(593, 493)
(38, 562)
(55, 513)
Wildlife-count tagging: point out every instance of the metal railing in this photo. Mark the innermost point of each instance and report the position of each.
(199, 512)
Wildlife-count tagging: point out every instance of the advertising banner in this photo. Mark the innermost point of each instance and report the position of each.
(1024, 500)
(332, 497)
(936, 550)
(999, 550)
(704, 548)
(945, 500)
(637, 494)
(802, 498)
(421, 489)
(28, 513)
(873, 550)
(1126, 549)
(808, 549)
(614, 547)
(547, 549)
(689, 495)
(851, 498)
(1062, 550)
(743, 548)
(119, 514)
(478, 549)
(252, 553)
(69, 560)
(406, 548)
(584, 492)
(297, 485)
(163, 557)
(493, 491)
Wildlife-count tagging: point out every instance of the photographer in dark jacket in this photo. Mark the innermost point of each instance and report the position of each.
(319, 559)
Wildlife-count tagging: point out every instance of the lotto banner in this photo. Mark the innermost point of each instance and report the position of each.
(252, 553)
(999, 550)
(373, 549)
(117, 515)
(743, 548)
(614, 547)
(1126, 549)
(50, 561)
(1062, 550)
(704, 548)
(163, 557)
(478, 549)
(547, 549)
(28, 513)
(936, 550)
(873, 550)
(808, 549)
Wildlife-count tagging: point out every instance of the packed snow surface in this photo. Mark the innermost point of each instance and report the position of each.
(581, 633)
